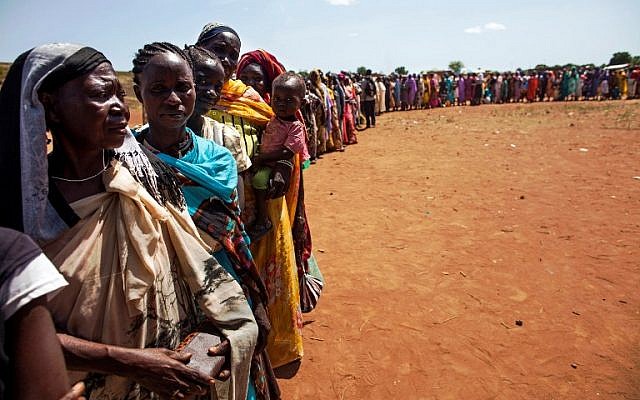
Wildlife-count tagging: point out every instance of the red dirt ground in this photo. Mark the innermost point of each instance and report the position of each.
(442, 228)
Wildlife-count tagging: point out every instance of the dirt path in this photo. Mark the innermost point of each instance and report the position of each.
(443, 228)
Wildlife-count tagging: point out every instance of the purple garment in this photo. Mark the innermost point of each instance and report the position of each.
(413, 88)
(461, 90)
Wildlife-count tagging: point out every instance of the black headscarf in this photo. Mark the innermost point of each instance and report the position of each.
(81, 62)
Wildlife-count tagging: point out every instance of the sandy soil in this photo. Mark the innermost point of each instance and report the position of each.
(443, 228)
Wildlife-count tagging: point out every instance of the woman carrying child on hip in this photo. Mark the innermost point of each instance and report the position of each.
(284, 137)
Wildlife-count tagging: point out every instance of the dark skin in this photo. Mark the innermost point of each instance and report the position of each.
(167, 91)
(86, 116)
(286, 100)
(209, 78)
(34, 350)
(91, 103)
(226, 46)
(252, 75)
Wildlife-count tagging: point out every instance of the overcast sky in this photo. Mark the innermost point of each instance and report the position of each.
(341, 34)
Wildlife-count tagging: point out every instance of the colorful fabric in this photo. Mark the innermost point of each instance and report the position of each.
(260, 179)
(413, 88)
(243, 101)
(274, 256)
(269, 64)
(136, 284)
(229, 137)
(221, 228)
(288, 134)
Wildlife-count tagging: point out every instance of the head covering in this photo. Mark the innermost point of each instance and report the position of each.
(269, 64)
(79, 63)
(213, 29)
(26, 206)
(23, 139)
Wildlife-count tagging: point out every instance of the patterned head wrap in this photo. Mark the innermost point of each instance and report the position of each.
(213, 29)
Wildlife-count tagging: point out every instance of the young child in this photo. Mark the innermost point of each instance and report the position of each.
(284, 137)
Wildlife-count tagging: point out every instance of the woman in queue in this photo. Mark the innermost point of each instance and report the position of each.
(206, 168)
(274, 255)
(112, 219)
(260, 68)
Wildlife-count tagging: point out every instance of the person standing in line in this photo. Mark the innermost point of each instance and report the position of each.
(369, 92)
(413, 88)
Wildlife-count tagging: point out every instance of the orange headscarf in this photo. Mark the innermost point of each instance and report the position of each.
(269, 64)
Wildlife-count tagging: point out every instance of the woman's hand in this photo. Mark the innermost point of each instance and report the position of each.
(223, 349)
(164, 372)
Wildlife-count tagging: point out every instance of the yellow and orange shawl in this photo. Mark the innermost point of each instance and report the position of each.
(243, 101)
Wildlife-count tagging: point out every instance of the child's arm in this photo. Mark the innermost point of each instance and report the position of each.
(282, 154)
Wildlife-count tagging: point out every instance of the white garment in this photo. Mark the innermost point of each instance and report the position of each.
(26, 281)
(229, 137)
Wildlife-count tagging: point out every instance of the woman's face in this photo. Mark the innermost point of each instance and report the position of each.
(253, 76)
(209, 77)
(167, 91)
(89, 111)
(226, 46)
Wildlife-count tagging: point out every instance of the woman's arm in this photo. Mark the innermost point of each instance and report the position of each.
(162, 371)
(37, 365)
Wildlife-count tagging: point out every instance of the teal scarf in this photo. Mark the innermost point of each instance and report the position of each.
(209, 165)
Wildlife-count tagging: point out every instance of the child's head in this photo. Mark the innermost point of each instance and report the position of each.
(208, 76)
(288, 90)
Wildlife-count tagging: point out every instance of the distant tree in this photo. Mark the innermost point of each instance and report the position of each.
(361, 70)
(456, 66)
(401, 70)
(304, 73)
(621, 57)
(635, 60)
(541, 67)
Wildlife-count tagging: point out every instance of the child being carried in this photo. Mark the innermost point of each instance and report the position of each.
(283, 138)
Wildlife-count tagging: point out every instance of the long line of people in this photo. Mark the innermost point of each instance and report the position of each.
(444, 88)
(194, 223)
(338, 105)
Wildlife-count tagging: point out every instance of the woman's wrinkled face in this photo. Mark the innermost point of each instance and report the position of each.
(209, 77)
(89, 111)
(253, 76)
(226, 46)
(167, 91)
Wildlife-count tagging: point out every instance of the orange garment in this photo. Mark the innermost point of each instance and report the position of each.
(243, 101)
(532, 89)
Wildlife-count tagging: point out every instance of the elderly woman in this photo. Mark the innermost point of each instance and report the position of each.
(112, 219)
(274, 254)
